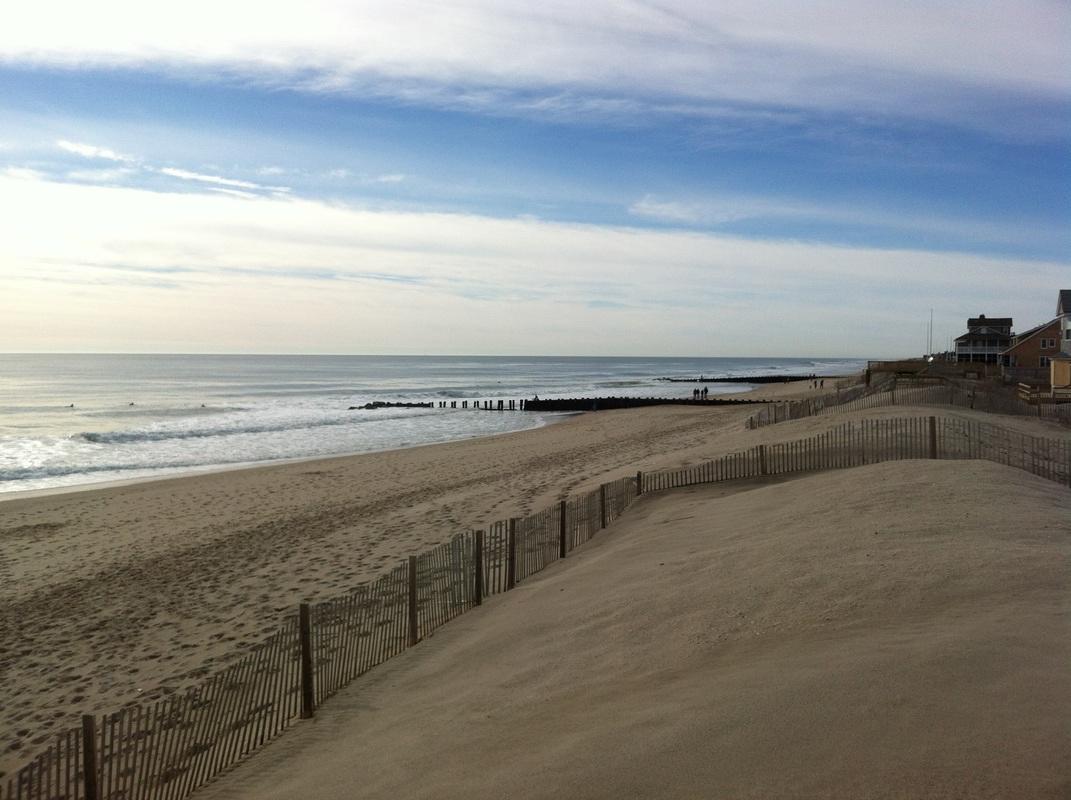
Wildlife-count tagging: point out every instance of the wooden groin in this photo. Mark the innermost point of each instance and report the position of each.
(382, 404)
(563, 404)
(747, 379)
(607, 403)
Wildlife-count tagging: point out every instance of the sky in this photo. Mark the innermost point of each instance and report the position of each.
(494, 177)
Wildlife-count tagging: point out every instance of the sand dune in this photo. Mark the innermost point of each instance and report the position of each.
(899, 630)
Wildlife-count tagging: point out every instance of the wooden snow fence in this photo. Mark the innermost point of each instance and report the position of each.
(893, 391)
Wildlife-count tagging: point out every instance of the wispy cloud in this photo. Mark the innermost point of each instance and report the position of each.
(333, 278)
(92, 151)
(233, 192)
(395, 177)
(724, 211)
(23, 173)
(100, 175)
(218, 180)
(916, 60)
(345, 174)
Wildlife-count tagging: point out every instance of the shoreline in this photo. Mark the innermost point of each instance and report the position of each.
(130, 593)
(212, 469)
(6, 496)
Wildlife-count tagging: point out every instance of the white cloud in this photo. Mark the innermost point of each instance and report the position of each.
(865, 56)
(99, 175)
(286, 275)
(704, 212)
(186, 175)
(718, 211)
(233, 192)
(198, 177)
(22, 173)
(92, 151)
(396, 177)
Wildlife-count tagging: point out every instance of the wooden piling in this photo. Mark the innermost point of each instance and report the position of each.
(477, 592)
(511, 555)
(562, 544)
(308, 702)
(933, 437)
(414, 633)
(90, 778)
(639, 483)
(762, 460)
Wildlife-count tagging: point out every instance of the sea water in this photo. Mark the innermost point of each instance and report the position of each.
(67, 420)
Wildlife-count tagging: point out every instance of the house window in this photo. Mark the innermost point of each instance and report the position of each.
(1043, 361)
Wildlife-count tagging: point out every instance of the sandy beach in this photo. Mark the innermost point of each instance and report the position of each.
(744, 641)
(124, 593)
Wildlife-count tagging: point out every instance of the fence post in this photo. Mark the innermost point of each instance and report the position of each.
(933, 437)
(602, 505)
(308, 701)
(762, 460)
(477, 597)
(414, 633)
(561, 530)
(90, 779)
(511, 555)
(639, 483)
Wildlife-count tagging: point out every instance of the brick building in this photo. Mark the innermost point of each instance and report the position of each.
(1028, 358)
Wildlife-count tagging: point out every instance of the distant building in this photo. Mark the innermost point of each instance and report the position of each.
(1031, 352)
(985, 339)
(1060, 365)
(1036, 347)
(1063, 313)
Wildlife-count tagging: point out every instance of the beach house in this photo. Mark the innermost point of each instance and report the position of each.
(985, 340)
(1060, 364)
(1028, 358)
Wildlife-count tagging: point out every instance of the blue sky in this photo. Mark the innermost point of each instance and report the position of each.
(480, 177)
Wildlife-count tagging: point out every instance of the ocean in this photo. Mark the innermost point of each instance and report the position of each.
(69, 420)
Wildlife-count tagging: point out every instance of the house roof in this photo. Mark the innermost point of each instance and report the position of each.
(1063, 302)
(989, 322)
(1030, 334)
(990, 335)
